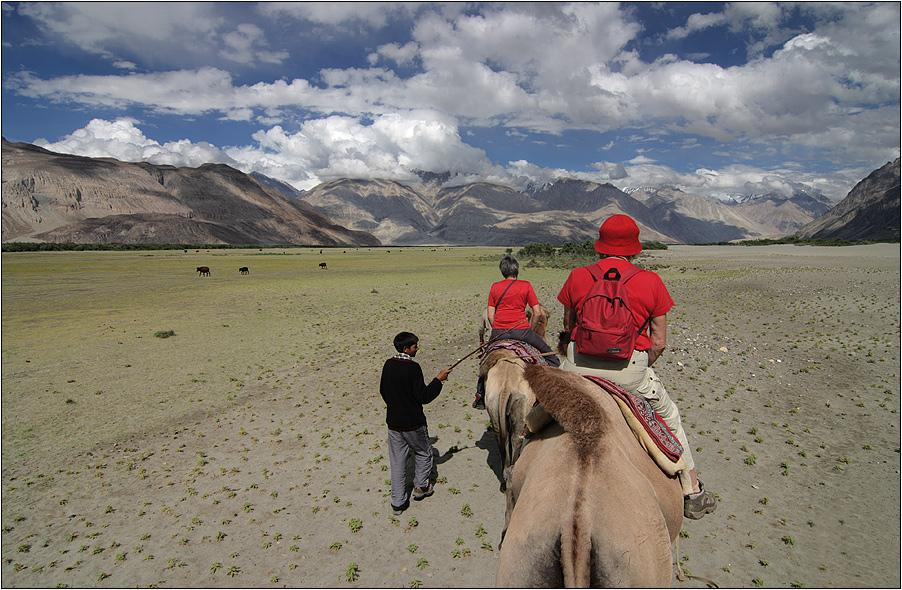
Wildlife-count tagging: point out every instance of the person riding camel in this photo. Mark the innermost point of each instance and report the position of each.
(617, 246)
(507, 303)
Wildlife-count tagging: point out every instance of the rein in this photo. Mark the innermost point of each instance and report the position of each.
(481, 346)
(682, 576)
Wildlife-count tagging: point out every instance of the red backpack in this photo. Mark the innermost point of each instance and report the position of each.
(605, 327)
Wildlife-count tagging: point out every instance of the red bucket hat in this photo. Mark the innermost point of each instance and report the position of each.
(618, 236)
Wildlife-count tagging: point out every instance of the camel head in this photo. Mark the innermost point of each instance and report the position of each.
(563, 341)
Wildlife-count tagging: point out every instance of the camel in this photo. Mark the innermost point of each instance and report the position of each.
(586, 505)
(507, 402)
(515, 404)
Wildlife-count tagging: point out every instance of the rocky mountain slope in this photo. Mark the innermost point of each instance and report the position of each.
(63, 198)
(871, 210)
(565, 211)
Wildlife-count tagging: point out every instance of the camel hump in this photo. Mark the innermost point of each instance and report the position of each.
(572, 404)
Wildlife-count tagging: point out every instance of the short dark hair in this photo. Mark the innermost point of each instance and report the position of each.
(405, 340)
(509, 266)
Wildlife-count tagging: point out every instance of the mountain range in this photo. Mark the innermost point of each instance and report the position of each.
(565, 211)
(54, 197)
(51, 197)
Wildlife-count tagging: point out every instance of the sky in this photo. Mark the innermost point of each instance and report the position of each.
(716, 99)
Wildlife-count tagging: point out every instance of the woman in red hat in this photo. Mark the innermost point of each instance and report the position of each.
(617, 245)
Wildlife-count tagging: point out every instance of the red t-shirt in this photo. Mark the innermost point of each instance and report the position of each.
(512, 311)
(648, 296)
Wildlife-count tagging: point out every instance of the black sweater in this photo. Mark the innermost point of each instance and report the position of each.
(405, 393)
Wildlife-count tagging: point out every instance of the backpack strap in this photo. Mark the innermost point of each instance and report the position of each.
(616, 276)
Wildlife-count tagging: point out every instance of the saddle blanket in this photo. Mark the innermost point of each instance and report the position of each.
(653, 425)
(524, 350)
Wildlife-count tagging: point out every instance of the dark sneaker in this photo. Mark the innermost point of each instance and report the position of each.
(396, 510)
(419, 494)
(697, 505)
(479, 403)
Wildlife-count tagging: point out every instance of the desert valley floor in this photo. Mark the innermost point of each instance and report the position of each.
(248, 448)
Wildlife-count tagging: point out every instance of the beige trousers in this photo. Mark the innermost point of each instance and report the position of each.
(636, 377)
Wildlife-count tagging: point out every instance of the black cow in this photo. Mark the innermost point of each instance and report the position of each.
(323, 266)
(244, 270)
(203, 271)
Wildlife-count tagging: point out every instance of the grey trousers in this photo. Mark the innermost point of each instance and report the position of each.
(400, 443)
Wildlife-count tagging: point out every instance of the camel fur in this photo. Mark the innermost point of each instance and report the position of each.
(508, 398)
(586, 504)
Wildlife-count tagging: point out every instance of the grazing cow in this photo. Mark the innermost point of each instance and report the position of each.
(244, 270)
(323, 266)
(203, 271)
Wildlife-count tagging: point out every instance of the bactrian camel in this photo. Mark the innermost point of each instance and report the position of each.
(587, 506)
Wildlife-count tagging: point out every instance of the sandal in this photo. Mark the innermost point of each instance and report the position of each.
(699, 504)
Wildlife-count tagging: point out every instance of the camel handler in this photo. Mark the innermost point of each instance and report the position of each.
(505, 314)
(405, 393)
(649, 301)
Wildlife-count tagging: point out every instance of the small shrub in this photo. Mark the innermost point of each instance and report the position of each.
(164, 333)
(352, 573)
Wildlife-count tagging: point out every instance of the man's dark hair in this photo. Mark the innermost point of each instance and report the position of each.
(404, 340)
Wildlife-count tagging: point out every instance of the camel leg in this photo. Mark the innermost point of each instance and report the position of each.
(530, 560)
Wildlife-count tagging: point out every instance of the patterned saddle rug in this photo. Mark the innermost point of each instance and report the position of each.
(653, 425)
(524, 350)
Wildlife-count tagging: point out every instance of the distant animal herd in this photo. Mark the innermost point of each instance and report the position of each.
(204, 271)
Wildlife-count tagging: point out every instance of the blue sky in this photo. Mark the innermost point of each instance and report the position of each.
(714, 98)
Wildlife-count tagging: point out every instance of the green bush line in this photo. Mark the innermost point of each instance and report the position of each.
(571, 249)
(588, 247)
(569, 255)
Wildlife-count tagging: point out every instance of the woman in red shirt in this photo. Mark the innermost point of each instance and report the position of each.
(508, 300)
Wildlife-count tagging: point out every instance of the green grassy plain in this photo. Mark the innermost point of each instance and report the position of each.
(81, 365)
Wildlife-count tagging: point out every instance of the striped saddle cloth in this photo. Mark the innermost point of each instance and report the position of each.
(654, 426)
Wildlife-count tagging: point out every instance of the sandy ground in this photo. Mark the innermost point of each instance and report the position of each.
(785, 363)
